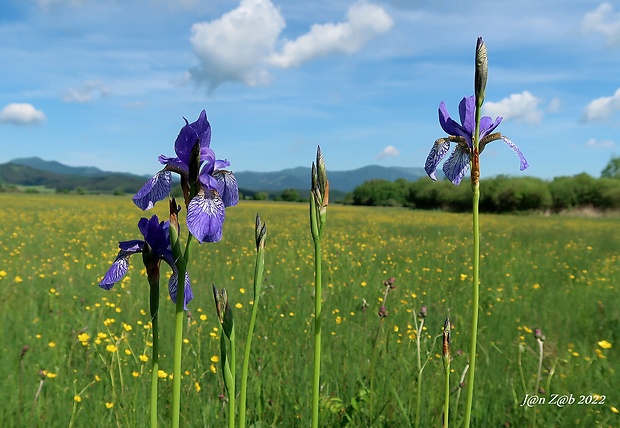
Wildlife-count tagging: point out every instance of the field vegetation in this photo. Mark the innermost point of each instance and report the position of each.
(72, 354)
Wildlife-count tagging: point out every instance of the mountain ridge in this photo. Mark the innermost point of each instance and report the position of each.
(54, 173)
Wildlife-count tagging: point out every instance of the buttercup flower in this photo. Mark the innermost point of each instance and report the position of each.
(458, 163)
(155, 248)
(207, 186)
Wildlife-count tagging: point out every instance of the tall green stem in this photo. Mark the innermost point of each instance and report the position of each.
(178, 335)
(419, 386)
(319, 197)
(317, 334)
(231, 390)
(259, 268)
(446, 405)
(154, 304)
(315, 229)
(475, 183)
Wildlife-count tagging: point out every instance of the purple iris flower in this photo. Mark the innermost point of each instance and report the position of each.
(458, 163)
(213, 190)
(155, 248)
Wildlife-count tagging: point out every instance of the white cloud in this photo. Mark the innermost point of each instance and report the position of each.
(389, 151)
(605, 21)
(602, 144)
(240, 46)
(523, 107)
(89, 90)
(364, 22)
(235, 46)
(21, 114)
(601, 108)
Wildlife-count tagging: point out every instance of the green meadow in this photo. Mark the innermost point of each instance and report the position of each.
(72, 354)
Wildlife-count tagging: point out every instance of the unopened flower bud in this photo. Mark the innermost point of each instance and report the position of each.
(482, 71)
(446, 341)
(224, 313)
(260, 232)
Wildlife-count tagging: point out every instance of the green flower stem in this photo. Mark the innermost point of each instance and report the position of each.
(315, 229)
(446, 404)
(258, 281)
(228, 370)
(317, 335)
(178, 330)
(475, 183)
(419, 386)
(154, 304)
(231, 388)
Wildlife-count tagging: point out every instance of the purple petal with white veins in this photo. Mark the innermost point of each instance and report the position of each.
(229, 190)
(205, 216)
(131, 247)
(173, 286)
(155, 190)
(457, 165)
(116, 272)
(438, 152)
(523, 162)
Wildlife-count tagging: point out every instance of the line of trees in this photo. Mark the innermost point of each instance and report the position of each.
(498, 194)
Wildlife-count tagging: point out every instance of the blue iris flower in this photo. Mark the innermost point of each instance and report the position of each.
(458, 164)
(216, 188)
(155, 248)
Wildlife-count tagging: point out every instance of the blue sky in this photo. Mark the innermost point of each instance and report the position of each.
(108, 82)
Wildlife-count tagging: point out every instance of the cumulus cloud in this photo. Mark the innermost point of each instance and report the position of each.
(21, 114)
(242, 44)
(236, 46)
(603, 20)
(88, 91)
(601, 108)
(388, 152)
(602, 144)
(523, 107)
(364, 22)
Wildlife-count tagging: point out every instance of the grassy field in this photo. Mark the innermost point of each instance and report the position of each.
(73, 354)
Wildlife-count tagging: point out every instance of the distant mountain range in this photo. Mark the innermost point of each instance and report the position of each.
(35, 171)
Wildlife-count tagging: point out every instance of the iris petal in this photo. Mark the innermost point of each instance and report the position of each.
(447, 124)
(176, 163)
(438, 152)
(205, 216)
(155, 190)
(523, 162)
(457, 165)
(487, 125)
(173, 284)
(467, 112)
(199, 131)
(228, 189)
(131, 247)
(116, 272)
